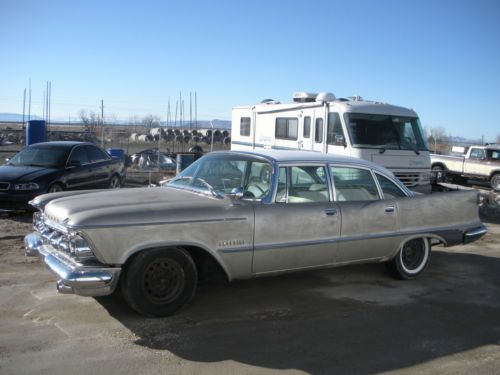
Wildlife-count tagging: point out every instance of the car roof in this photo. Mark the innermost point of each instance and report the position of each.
(61, 143)
(285, 156)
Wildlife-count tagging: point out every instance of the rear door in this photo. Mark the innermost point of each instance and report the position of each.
(369, 222)
(302, 227)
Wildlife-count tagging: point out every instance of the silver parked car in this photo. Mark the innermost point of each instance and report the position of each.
(243, 215)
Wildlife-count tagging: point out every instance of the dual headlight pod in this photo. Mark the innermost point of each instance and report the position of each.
(79, 247)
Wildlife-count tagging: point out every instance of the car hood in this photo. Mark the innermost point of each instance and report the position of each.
(142, 206)
(11, 173)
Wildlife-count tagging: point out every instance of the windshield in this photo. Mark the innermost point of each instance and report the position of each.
(385, 131)
(222, 174)
(41, 156)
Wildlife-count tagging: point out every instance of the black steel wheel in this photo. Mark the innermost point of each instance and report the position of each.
(158, 282)
(412, 259)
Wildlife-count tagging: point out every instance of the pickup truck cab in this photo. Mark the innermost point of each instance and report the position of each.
(479, 162)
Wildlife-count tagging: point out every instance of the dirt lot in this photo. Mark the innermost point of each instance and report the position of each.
(346, 320)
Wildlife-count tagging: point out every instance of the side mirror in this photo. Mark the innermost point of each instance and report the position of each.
(340, 141)
(73, 164)
(236, 193)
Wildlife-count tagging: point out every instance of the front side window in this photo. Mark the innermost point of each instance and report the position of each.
(389, 189)
(335, 134)
(221, 175)
(318, 131)
(303, 184)
(79, 155)
(494, 155)
(245, 126)
(286, 128)
(385, 131)
(354, 184)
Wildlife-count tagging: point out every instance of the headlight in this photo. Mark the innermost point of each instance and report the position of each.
(27, 186)
(79, 247)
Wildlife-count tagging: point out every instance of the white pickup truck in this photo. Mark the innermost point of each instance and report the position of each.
(479, 163)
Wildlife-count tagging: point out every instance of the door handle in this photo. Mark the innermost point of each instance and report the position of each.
(330, 211)
(389, 209)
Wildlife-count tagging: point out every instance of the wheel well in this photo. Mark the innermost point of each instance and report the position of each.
(494, 173)
(207, 266)
(438, 165)
(63, 185)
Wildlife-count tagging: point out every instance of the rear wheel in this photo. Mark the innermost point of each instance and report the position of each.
(412, 259)
(495, 181)
(159, 282)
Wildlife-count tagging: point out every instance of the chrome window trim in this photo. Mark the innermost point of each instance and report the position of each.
(390, 179)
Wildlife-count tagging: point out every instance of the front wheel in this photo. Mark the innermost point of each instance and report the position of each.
(55, 188)
(495, 181)
(412, 259)
(159, 282)
(114, 182)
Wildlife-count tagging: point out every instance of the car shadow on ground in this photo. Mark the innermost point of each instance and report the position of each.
(350, 319)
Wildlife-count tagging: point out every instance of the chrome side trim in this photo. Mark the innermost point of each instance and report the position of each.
(156, 223)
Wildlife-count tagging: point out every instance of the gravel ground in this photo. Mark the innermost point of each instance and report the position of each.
(346, 320)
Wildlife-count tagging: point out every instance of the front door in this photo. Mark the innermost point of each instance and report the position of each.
(302, 227)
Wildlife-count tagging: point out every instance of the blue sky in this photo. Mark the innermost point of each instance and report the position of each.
(441, 58)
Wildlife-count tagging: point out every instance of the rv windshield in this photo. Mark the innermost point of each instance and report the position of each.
(386, 132)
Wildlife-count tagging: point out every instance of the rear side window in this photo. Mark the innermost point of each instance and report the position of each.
(354, 184)
(96, 154)
(389, 189)
(245, 126)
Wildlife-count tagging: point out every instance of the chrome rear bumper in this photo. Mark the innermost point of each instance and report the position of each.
(474, 234)
(73, 277)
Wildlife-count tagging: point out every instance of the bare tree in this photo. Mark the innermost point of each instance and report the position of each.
(90, 120)
(498, 139)
(149, 120)
(436, 136)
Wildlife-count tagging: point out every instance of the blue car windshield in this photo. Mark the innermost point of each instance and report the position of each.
(41, 156)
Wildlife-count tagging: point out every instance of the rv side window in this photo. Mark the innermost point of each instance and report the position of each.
(286, 128)
(335, 134)
(245, 126)
(318, 132)
(307, 127)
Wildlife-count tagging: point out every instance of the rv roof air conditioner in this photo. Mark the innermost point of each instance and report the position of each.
(270, 101)
(304, 97)
(325, 97)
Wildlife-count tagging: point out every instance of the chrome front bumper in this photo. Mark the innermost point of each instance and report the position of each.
(72, 277)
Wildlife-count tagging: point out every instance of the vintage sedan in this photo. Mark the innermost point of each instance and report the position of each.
(243, 215)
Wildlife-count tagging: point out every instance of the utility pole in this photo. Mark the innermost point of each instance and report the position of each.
(190, 111)
(24, 105)
(196, 110)
(29, 102)
(102, 123)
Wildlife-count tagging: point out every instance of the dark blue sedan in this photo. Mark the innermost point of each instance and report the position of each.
(56, 166)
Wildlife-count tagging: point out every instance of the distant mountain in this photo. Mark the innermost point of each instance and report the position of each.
(205, 124)
(16, 117)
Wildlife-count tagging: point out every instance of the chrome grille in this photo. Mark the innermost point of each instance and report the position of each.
(4, 186)
(409, 179)
(51, 236)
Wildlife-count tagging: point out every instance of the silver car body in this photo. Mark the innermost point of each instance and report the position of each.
(246, 237)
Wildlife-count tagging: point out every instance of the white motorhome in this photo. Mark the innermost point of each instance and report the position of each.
(385, 134)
